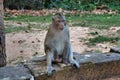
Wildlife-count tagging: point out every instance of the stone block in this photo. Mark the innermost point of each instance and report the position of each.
(15, 72)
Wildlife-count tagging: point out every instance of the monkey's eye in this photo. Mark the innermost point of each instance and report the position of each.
(58, 20)
(63, 20)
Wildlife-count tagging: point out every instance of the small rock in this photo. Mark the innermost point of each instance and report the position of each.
(33, 42)
(21, 51)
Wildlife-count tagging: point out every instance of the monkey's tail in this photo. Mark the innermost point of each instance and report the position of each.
(39, 58)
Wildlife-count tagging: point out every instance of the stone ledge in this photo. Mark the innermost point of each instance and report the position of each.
(94, 66)
(115, 49)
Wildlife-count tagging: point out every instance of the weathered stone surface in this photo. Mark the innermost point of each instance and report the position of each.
(94, 66)
(96, 57)
(16, 72)
(115, 49)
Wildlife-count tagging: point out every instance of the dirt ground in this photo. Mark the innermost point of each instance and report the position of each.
(23, 45)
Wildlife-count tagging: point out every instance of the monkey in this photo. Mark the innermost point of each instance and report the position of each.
(57, 45)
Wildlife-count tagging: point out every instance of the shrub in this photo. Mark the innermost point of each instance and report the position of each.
(65, 4)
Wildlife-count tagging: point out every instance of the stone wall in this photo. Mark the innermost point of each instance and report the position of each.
(94, 66)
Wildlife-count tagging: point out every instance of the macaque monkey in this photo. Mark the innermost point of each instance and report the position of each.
(57, 44)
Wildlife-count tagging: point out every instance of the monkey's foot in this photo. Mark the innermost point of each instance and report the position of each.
(75, 63)
(50, 71)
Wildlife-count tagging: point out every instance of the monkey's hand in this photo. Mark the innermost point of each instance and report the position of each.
(50, 70)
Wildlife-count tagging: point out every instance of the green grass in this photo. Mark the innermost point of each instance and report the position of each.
(10, 28)
(118, 31)
(93, 33)
(101, 39)
(85, 20)
(26, 18)
(95, 21)
(15, 29)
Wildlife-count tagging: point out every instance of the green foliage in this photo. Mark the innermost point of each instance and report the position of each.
(101, 39)
(23, 4)
(65, 4)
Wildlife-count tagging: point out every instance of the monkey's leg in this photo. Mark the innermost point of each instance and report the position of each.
(50, 69)
(71, 58)
(66, 54)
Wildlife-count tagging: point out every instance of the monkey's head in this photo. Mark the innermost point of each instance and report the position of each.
(59, 21)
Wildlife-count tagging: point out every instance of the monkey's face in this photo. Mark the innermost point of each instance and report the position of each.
(59, 24)
(59, 21)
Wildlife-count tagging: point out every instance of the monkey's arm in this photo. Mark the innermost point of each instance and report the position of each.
(40, 58)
